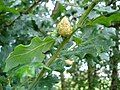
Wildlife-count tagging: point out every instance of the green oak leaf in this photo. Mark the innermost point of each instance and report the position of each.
(26, 54)
(106, 20)
(93, 42)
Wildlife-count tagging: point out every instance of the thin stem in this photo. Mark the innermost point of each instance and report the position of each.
(50, 61)
(84, 16)
(65, 41)
(26, 12)
(32, 6)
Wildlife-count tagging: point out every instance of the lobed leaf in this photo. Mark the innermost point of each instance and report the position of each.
(25, 54)
(93, 43)
(107, 21)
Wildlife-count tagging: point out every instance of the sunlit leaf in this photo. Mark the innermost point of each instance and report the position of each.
(7, 9)
(25, 54)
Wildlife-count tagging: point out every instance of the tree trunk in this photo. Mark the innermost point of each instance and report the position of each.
(90, 72)
(1, 87)
(114, 62)
(114, 75)
(62, 81)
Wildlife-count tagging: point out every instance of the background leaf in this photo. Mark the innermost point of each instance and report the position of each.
(93, 42)
(106, 20)
(59, 8)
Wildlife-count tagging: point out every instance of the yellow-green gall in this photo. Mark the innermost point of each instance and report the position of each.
(64, 27)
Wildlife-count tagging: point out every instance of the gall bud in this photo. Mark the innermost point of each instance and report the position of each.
(64, 27)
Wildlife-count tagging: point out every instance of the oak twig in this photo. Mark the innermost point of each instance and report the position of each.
(65, 41)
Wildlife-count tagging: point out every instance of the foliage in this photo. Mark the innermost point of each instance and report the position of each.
(93, 42)
(30, 45)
